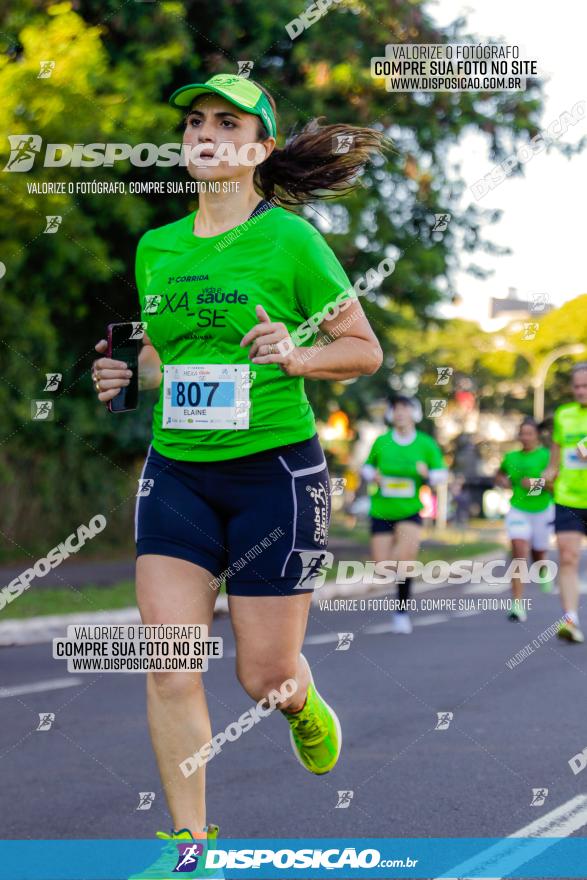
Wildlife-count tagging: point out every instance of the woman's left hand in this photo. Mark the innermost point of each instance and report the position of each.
(272, 344)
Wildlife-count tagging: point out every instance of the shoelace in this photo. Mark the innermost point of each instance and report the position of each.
(311, 730)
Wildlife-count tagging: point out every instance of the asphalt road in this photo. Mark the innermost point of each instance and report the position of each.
(512, 730)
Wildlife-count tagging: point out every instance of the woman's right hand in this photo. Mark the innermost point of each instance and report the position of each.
(108, 375)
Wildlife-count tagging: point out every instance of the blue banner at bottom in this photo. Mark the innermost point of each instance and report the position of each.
(302, 858)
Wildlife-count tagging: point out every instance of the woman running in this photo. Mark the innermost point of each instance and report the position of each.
(567, 469)
(241, 487)
(400, 462)
(529, 521)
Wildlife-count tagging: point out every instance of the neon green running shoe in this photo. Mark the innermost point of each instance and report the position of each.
(315, 733)
(570, 632)
(545, 582)
(517, 612)
(174, 854)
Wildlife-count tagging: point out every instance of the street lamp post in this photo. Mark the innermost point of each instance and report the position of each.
(539, 378)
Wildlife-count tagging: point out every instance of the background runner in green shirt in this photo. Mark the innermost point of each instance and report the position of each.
(400, 462)
(530, 519)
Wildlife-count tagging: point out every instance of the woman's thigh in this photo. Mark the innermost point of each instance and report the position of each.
(407, 541)
(174, 591)
(269, 633)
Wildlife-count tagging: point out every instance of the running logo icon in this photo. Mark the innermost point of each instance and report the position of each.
(47, 68)
(189, 854)
(539, 795)
(314, 568)
(444, 719)
(530, 331)
(248, 378)
(344, 800)
(24, 149)
(53, 381)
(436, 408)
(245, 68)
(146, 799)
(342, 143)
(241, 410)
(138, 329)
(539, 302)
(443, 375)
(344, 641)
(46, 719)
(53, 223)
(145, 486)
(41, 410)
(337, 485)
(152, 303)
(441, 222)
(536, 485)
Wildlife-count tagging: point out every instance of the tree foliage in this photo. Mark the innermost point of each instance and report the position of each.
(115, 65)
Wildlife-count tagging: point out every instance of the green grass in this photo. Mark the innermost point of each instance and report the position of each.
(35, 603)
(60, 601)
(458, 551)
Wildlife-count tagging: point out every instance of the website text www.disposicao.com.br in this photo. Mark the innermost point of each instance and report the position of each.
(329, 859)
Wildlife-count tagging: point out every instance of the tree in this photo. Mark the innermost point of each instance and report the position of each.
(114, 68)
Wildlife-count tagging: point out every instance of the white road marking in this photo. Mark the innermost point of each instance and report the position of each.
(50, 684)
(508, 857)
(474, 589)
(420, 620)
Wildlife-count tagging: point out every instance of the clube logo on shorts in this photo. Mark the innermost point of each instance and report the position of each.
(319, 495)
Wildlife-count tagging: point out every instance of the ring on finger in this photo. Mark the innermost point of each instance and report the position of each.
(272, 348)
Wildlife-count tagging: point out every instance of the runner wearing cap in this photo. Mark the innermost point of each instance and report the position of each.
(530, 518)
(568, 471)
(401, 461)
(240, 484)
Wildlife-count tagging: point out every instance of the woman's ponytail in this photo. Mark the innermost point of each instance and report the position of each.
(318, 162)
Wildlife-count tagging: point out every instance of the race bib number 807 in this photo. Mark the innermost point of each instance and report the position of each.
(206, 396)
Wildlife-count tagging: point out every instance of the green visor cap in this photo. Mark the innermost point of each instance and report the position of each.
(237, 89)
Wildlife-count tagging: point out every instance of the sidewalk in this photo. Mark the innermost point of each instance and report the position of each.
(80, 572)
(39, 630)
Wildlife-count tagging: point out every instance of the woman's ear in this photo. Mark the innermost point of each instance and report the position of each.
(269, 145)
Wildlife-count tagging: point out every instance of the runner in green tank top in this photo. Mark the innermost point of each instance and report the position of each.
(567, 470)
(530, 519)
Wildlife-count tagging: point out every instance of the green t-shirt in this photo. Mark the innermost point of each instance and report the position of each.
(520, 464)
(396, 462)
(198, 298)
(570, 427)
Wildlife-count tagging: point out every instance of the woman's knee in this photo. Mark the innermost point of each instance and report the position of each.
(174, 685)
(259, 681)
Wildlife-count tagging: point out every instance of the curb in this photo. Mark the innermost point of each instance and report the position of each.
(43, 629)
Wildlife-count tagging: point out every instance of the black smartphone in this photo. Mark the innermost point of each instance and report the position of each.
(124, 344)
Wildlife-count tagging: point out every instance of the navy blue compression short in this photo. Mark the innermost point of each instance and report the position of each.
(570, 519)
(259, 522)
(388, 525)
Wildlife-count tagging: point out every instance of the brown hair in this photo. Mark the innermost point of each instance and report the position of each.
(308, 168)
